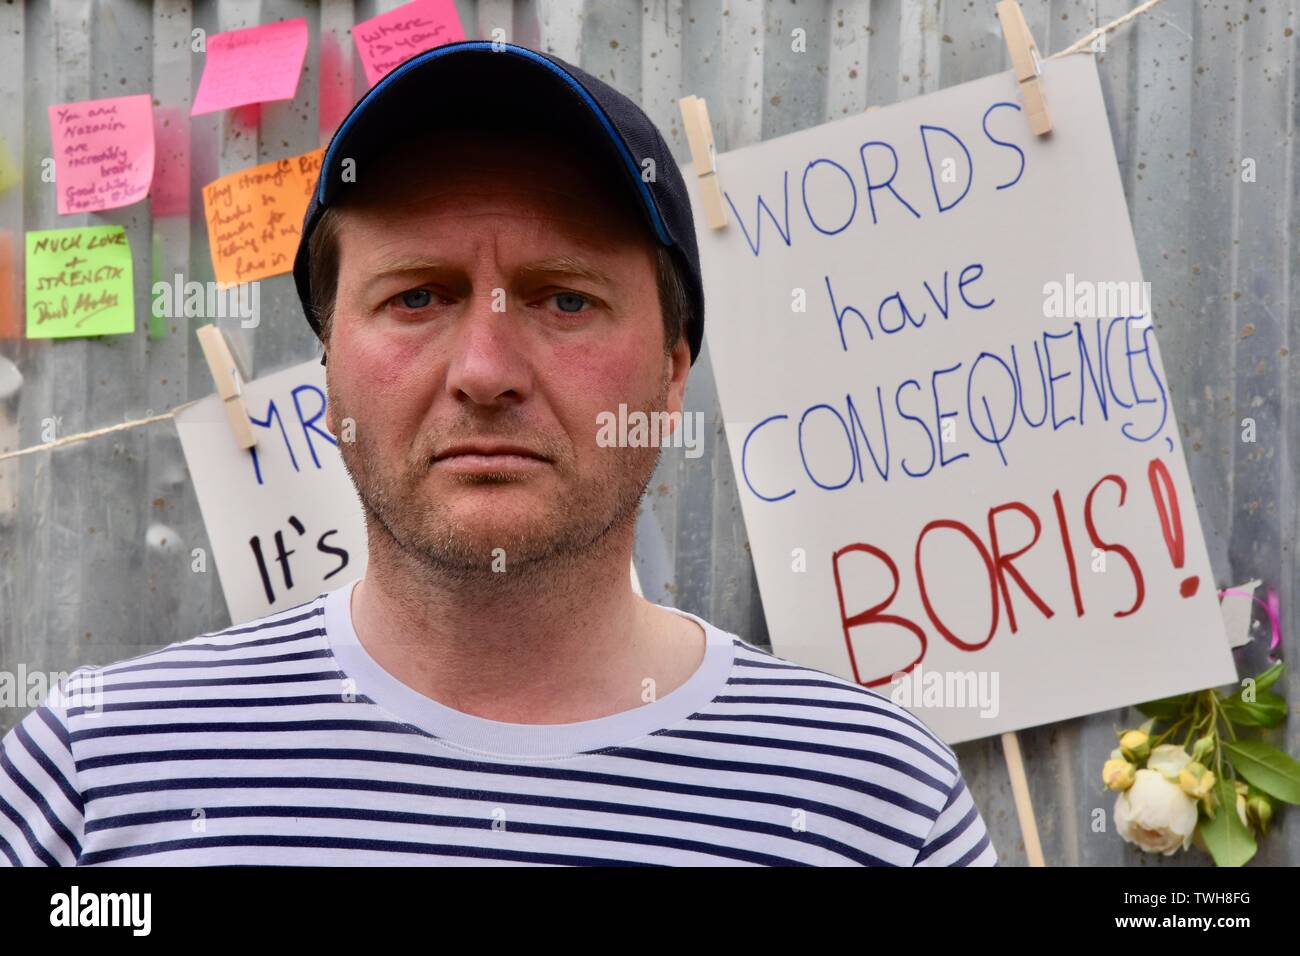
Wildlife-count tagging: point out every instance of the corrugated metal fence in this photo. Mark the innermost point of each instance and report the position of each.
(95, 538)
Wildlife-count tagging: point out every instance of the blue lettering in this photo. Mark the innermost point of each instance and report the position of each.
(744, 460)
(970, 165)
(887, 184)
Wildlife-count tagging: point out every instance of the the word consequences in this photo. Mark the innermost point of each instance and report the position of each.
(255, 216)
(392, 38)
(103, 152)
(79, 283)
(283, 517)
(950, 424)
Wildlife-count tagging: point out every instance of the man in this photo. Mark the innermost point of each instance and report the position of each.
(500, 249)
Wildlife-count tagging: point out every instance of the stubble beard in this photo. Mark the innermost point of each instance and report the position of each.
(568, 530)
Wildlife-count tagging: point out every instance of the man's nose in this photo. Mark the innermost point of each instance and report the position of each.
(487, 364)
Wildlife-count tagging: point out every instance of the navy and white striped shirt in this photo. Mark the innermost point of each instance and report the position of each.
(283, 742)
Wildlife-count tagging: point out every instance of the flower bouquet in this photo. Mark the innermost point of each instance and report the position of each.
(1197, 779)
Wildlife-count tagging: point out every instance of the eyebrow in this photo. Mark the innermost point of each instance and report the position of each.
(565, 266)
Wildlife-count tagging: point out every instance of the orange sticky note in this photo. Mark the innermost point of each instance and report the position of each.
(394, 37)
(255, 217)
(9, 325)
(253, 65)
(103, 152)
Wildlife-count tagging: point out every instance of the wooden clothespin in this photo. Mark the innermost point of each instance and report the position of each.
(225, 372)
(699, 134)
(1025, 61)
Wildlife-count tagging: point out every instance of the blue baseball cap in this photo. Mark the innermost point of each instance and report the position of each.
(478, 77)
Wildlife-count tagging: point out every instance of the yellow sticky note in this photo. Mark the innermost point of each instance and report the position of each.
(9, 174)
(79, 283)
(255, 217)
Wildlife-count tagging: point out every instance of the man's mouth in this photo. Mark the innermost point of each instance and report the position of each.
(481, 457)
(489, 450)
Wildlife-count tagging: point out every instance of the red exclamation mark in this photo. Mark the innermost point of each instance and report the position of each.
(1171, 522)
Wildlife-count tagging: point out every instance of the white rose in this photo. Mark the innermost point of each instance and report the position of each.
(1168, 760)
(1155, 814)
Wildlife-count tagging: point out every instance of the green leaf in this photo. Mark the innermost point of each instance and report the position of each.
(1266, 767)
(1167, 708)
(1267, 679)
(1228, 841)
(1266, 710)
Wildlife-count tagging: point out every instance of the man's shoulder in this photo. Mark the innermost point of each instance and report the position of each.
(818, 698)
(283, 637)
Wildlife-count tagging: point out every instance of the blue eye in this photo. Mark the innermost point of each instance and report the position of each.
(574, 299)
(416, 298)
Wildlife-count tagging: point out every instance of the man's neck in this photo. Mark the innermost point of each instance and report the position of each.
(565, 643)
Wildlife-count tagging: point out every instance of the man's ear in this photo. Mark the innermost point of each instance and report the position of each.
(330, 425)
(679, 363)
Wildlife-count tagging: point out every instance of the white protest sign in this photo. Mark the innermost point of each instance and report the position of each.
(283, 518)
(949, 421)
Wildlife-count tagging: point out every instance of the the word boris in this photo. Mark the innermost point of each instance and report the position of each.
(1004, 578)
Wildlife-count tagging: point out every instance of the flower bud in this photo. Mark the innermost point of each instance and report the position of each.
(1195, 780)
(1202, 748)
(1261, 810)
(1118, 774)
(1135, 744)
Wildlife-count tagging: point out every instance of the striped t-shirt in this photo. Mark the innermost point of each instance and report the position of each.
(282, 741)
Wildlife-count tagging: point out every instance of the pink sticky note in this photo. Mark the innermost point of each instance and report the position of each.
(394, 37)
(336, 97)
(254, 65)
(103, 152)
(171, 177)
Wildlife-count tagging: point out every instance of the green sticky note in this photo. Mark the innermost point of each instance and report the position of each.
(79, 283)
(157, 321)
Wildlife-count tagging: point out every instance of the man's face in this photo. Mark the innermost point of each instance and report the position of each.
(494, 297)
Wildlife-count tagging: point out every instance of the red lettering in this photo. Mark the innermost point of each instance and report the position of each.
(1068, 548)
(873, 615)
(1002, 562)
(925, 594)
(1119, 549)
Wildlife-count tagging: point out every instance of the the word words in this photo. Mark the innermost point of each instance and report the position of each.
(831, 200)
